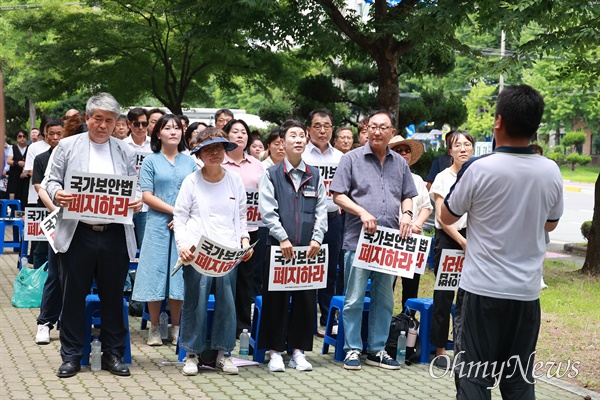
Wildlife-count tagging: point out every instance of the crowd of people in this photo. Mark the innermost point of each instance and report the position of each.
(193, 183)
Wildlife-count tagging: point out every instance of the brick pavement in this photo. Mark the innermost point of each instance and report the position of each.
(28, 371)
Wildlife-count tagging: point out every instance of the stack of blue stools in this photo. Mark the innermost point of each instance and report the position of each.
(425, 308)
(92, 317)
(10, 220)
(337, 303)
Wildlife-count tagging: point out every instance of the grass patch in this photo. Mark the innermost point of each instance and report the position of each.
(570, 326)
(581, 174)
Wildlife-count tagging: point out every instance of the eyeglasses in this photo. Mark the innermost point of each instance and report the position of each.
(21, 136)
(137, 124)
(458, 146)
(382, 128)
(318, 127)
(401, 150)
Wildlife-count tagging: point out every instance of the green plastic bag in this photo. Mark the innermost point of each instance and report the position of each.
(29, 287)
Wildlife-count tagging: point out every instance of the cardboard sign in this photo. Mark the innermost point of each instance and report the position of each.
(299, 273)
(253, 217)
(213, 259)
(385, 251)
(103, 198)
(327, 171)
(33, 223)
(449, 270)
(49, 226)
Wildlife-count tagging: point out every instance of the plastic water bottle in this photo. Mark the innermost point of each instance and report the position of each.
(96, 352)
(244, 344)
(163, 321)
(401, 349)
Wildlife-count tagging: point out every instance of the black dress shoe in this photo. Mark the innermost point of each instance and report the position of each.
(68, 369)
(114, 364)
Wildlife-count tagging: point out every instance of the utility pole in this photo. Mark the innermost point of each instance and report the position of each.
(502, 52)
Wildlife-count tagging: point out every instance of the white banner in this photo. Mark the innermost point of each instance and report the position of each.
(385, 251)
(213, 259)
(299, 273)
(327, 171)
(253, 217)
(449, 270)
(33, 223)
(103, 198)
(49, 226)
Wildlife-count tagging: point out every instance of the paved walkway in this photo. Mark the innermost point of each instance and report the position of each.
(28, 371)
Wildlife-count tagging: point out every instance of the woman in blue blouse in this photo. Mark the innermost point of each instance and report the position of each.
(160, 179)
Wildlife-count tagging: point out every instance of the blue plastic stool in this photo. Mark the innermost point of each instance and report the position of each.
(92, 317)
(15, 243)
(13, 204)
(425, 308)
(211, 309)
(258, 355)
(337, 303)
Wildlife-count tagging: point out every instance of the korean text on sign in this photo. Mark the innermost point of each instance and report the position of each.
(253, 217)
(49, 227)
(300, 272)
(213, 259)
(102, 198)
(449, 270)
(327, 171)
(33, 223)
(385, 251)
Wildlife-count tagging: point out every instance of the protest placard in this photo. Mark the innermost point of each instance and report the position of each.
(385, 251)
(49, 226)
(300, 272)
(214, 259)
(33, 223)
(449, 270)
(253, 217)
(327, 171)
(100, 197)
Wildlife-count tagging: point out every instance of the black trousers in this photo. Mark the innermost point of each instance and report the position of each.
(500, 331)
(442, 299)
(333, 239)
(52, 295)
(281, 330)
(243, 290)
(101, 256)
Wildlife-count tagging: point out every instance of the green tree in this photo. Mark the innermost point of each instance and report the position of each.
(480, 105)
(574, 139)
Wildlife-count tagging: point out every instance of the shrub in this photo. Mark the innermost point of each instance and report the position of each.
(575, 158)
(558, 149)
(573, 138)
(557, 158)
(586, 229)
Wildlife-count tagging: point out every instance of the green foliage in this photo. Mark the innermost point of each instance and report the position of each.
(423, 166)
(557, 158)
(412, 111)
(481, 107)
(573, 138)
(559, 149)
(444, 109)
(596, 143)
(574, 159)
(582, 174)
(586, 229)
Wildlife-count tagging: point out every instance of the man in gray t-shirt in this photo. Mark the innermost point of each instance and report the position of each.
(512, 196)
(375, 187)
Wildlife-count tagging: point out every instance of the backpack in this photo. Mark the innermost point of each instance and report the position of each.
(402, 322)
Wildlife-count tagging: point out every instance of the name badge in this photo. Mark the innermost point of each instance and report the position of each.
(309, 193)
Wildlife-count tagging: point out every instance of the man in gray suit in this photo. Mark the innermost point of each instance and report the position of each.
(88, 250)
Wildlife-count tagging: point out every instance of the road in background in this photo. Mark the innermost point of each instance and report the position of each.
(579, 207)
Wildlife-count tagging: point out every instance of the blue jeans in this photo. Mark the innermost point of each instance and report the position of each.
(380, 314)
(194, 315)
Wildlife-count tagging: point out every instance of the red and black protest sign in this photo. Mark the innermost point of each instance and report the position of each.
(300, 272)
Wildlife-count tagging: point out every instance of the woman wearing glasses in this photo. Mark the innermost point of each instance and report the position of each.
(18, 181)
(161, 176)
(461, 146)
(412, 150)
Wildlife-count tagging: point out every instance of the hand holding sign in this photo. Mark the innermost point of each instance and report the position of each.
(287, 250)
(63, 198)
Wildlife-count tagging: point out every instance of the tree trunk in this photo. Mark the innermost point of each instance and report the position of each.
(388, 95)
(591, 264)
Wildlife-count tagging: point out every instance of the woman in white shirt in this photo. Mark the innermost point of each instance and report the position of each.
(461, 145)
(412, 150)
(211, 203)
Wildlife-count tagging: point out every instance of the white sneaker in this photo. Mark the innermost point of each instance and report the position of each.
(154, 336)
(226, 365)
(299, 362)
(543, 284)
(191, 366)
(276, 363)
(43, 334)
(174, 334)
